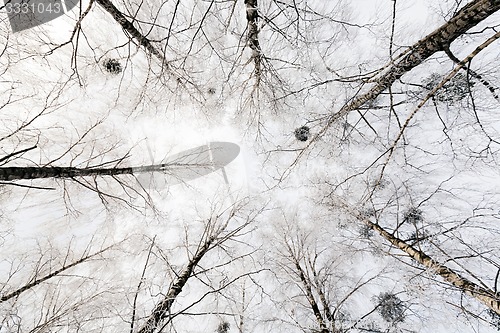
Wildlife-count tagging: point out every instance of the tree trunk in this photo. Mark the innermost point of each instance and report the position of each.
(310, 297)
(130, 29)
(439, 40)
(253, 35)
(486, 296)
(17, 173)
(162, 309)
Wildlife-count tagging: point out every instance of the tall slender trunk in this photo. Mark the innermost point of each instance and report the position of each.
(130, 29)
(162, 309)
(439, 40)
(310, 297)
(486, 296)
(253, 35)
(15, 173)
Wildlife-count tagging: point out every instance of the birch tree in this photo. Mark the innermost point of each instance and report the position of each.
(397, 152)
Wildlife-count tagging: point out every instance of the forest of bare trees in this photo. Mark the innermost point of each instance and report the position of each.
(251, 166)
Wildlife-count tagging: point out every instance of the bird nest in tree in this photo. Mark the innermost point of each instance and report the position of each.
(302, 133)
(455, 90)
(390, 307)
(112, 66)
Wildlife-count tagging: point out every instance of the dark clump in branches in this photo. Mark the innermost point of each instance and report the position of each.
(112, 66)
(413, 216)
(390, 307)
(302, 133)
(223, 327)
(453, 91)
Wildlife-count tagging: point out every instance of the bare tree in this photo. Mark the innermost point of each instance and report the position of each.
(487, 296)
(220, 230)
(322, 280)
(439, 40)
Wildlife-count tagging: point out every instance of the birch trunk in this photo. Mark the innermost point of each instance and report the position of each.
(162, 309)
(486, 296)
(439, 40)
